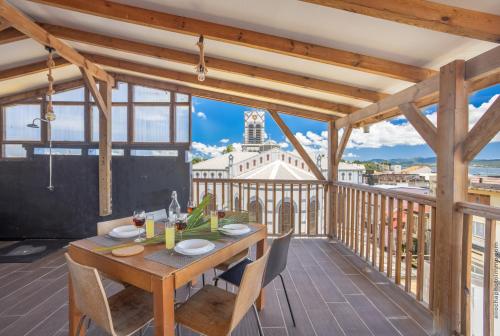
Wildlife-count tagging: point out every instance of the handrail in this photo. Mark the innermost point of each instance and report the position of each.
(479, 210)
(225, 180)
(403, 195)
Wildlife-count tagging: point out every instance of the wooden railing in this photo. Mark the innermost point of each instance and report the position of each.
(303, 207)
(392, 231)
(474, 250)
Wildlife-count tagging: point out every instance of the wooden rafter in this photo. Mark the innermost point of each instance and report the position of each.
(248, 38)
(214, 63)
(326, 106)
(482, 132)
(343, 144)
(39, 92)
(228, 98)
(25, 25)
(30, 69)
(421, 123)
(94, 91)
(296, 144)
(4, 25)
(425, 14)
(10, 35)
(476, 69)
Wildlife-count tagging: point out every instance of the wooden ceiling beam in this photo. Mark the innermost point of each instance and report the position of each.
(297, 145)
(214, 63)
(224, 97)
(11, 35)
(26, 26)
(343, 144)
(327, 106)
(40, 92)
(29, 69)
(477, 69)
(425, 14)
(4, 25)
(244, 37)
(421, 123)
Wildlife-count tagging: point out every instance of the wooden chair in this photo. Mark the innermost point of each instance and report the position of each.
(105, 227)
(122, 314)
(213, 311)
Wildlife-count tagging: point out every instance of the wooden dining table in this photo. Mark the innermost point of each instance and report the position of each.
(154, 277)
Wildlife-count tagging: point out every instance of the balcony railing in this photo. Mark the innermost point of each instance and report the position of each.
(392, 231)
(280, 204)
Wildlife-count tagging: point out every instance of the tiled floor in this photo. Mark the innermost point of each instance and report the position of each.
(332, 292)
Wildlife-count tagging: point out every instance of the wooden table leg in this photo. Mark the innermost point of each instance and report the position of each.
(163, 296)
(74, 314)
(261, 247)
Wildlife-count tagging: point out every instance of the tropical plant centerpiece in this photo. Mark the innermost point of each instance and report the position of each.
(198, 226)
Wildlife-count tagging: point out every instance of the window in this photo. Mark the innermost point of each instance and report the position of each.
(267, 157)
(181, 98)
(478, 229)
(343, 176)
(248, 165)
(76, 95)
(260, 159)
(69, 123)
(120, 94)
(118, 124)
(151, 124)
(14, 151)
(149, 95)
(350, 176)
(181, 123)
(16, 119)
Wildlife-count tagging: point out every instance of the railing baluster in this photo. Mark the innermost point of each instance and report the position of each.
(381, 235)
(265, 203)
(488, 277)
(231, 196)
(348, 217)
(223, 195)
(374, 229)
(316, 210)
(274, 208)
(257, 203)
(352, 219)
(390, 237)
(433, 253)
(368, 225)
(466, 275)
(324, 230)
(214, 191)
(300, 209)
(357, 224)
(249, 186)
(363, 224)
(308, 211)
(292, 208)
(282, 223)
(399, 238)
(240, 195)
(409, 245)
(197, 193)
(420, 252)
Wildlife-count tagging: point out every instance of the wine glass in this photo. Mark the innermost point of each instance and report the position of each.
(190, 207)
(181, 223)
(139, 218)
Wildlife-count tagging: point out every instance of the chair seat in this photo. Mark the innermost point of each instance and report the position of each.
(208, 311)
(235, 273)
(234, 259)
(131, 309)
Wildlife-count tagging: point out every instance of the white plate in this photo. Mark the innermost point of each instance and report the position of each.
(194, 246)
(235, 229)
(125, 231)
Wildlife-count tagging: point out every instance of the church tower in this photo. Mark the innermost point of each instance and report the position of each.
(254, 131)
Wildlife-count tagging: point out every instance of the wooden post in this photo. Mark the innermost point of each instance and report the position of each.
(333, 142)
(452, 127)
(105, 150)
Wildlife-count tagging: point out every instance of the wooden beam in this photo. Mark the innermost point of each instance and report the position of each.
(326, 106)
(483, 131)
(11, 35)
(476, 69)
(213, 63)
(343, 144)
(228, 98)
(4, 25)
(248, 38)
(425, 14)
(296, 144)
(421, 123)
(25, 25)
(94, 91)
(333, 172)
(452, 177)
(39, 92)
(105, 151)
(30, 69)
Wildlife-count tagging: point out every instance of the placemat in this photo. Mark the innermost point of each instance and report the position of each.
(109, 242)
(177, 260)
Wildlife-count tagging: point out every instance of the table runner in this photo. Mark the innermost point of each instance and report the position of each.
(177, 260)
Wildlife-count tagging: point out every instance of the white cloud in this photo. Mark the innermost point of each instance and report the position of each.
(209, 151)
(284, 145)
(350, 156)
(304, 141)
(224, 141)
(201, 115)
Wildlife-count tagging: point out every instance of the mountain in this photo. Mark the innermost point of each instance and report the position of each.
(431, 161)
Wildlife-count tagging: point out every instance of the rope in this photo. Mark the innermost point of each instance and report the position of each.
(49, 115)
(201, 67)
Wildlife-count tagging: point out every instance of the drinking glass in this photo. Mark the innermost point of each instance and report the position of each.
(181, 223)
(190, 207)
(169, 235)
(214, 220)
(150, 226)
(139, 218)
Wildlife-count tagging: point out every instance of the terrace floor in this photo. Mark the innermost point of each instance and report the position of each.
(332, 292)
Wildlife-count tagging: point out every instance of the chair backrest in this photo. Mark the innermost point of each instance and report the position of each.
(249, 289)
(89, 294)
(278, 256)
(158, 214)
(104, 227)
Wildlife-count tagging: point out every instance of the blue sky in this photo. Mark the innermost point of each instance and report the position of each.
(216, 124)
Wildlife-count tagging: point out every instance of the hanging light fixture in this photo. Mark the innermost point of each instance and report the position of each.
(201, 67)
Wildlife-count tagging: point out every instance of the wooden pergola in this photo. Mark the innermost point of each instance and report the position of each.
(363, 87)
